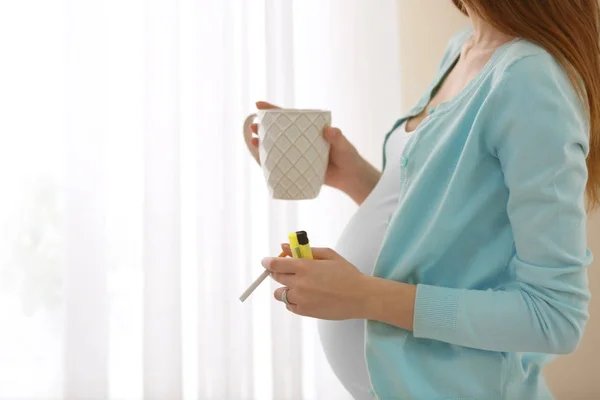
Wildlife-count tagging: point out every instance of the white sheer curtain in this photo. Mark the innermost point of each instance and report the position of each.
(132, 217)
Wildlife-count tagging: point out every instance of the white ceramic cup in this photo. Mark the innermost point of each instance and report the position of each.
(292, 151)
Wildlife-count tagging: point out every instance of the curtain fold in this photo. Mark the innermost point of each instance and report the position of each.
(85, 291)
(162, 231)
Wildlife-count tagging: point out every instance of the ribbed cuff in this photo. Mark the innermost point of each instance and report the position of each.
(436, 312)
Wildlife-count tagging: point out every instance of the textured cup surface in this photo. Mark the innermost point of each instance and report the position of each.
(292, 151)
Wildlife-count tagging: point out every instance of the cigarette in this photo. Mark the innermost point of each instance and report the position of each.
(257, 282)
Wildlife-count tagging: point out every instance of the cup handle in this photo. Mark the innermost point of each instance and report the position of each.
(248, 135)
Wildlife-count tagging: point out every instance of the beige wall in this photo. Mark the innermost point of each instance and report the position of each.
(425, 27)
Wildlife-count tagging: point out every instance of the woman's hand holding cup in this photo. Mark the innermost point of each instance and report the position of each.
(345, 165)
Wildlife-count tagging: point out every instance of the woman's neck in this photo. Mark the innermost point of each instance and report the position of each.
(485, 36)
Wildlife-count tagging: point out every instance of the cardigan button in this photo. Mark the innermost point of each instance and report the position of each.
(403, 161)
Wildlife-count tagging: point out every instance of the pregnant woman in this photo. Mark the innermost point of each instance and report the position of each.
(467, 257)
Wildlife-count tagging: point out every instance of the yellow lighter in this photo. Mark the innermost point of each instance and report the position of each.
(300, 249)
(300, 245)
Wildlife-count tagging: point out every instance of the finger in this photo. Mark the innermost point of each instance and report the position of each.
(254, 142)
(324, 253)
(285, 247)
(284, 279)
(294, 309)
(331, 134)
(263, 105)
(290, 296)
(254, 128)
(282, 265)
(278, 294)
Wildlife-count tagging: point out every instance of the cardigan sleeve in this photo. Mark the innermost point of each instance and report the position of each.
(537, 130)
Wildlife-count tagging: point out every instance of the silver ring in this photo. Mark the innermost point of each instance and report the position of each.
(284, 296)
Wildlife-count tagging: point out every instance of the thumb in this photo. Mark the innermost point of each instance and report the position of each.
(336, 138)
(324, 253)
(263, 105)
(285, 247)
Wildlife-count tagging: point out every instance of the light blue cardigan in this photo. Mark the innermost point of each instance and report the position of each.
(491, 227)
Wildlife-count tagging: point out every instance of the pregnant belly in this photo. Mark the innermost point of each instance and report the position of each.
(343, 341)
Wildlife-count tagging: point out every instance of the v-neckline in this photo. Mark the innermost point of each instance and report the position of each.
(446, 106)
